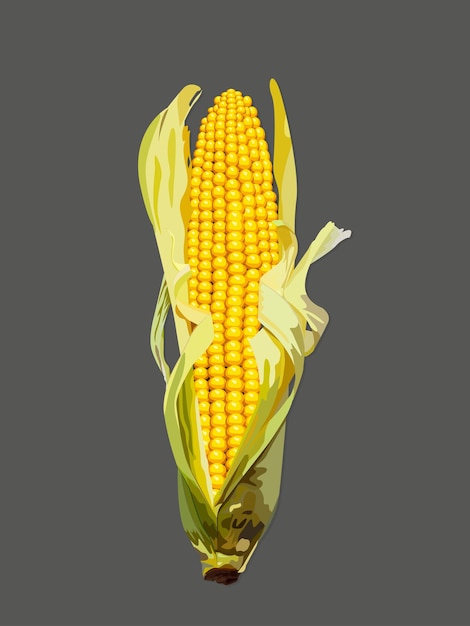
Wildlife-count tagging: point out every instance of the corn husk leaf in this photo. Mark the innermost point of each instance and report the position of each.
(164, 176)
(283, 161)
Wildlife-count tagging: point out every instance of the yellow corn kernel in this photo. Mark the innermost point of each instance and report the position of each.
(233, 358)
(216, 456)
(200, 372)
(217, 468)
(251, 397)
(218, 419)
(217, 481)
(205, 420)
(233, 442)
(235, 419)
(216, 443)
(234, 384)
(217, 394)
(218, 432)
(235, 430)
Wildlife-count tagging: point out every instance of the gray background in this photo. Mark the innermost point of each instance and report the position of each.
(373, 521)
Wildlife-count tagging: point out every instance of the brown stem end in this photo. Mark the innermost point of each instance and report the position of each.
(222, 575)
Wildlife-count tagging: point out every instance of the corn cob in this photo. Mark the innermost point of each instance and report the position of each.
(232, 242)
(244, 323)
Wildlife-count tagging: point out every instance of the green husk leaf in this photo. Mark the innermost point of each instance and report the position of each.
(157, 332)
(198, 519)
(179, 405)
(248, 509)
